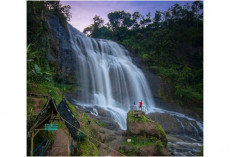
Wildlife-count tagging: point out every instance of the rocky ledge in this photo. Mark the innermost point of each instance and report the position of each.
(144, 136)
(177, 125)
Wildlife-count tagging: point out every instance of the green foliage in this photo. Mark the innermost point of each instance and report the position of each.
(87, 146)
(162, 135)
(85, 118)
(89, 149)
(100, 124)
(48, 88)
(153, 139)
(145, 57)
(38, 69)
(73, 109)
(83, 138)
(96, 29)
(159, 146)
(137, 143)
(132, 118)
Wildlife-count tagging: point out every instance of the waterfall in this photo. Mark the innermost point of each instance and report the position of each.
(107, 76)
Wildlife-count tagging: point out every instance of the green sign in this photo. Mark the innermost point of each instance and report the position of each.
(51, 126)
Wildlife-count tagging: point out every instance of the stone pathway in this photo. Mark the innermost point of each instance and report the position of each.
(60, 145)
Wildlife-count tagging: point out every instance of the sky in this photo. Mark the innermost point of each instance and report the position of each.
(84, 11)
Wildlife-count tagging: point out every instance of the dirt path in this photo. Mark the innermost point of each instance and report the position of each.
(38, 105)
(60, 145)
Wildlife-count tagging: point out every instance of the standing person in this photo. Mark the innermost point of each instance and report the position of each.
(140, 105)
(133, 106)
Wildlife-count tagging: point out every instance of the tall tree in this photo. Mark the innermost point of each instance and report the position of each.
(93, 30)
(135, 20)
(120, 19)
(157, 19)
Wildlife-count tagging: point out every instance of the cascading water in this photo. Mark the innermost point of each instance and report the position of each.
(108, 79)
(107, 76)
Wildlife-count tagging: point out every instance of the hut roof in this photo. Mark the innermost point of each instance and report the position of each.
(50, 109)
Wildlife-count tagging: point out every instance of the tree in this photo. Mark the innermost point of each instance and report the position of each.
(93, 30)
(197, 9)
(57, 8)
(157, 19)
(135, 20)
(65, 10)
(144, 22)
(177, 11)
(98, 21)
(119, 19)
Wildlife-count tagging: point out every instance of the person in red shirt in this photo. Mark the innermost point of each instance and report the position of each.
(140, 105)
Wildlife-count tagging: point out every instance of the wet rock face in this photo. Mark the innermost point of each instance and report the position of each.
(103, 117)
(183, 146)
(61, 55)
(184, 136)
(177, 125)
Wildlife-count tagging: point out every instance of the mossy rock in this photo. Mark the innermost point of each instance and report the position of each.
(145, 147)
(136, 116)
(89, 149)
(144, 127)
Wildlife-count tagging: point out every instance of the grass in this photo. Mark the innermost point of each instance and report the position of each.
(162, 132)
(131, 118)
(46, 89)
(73, 109)
(89, 149)
(100, 124)
(137, 143)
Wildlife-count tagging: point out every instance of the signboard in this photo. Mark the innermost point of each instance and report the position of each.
(50, 127)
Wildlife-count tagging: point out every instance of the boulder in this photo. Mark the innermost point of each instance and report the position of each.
(139, 125)
(147, 137)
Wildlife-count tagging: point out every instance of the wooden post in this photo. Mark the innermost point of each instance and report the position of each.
(68, 145)
(32, 142)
